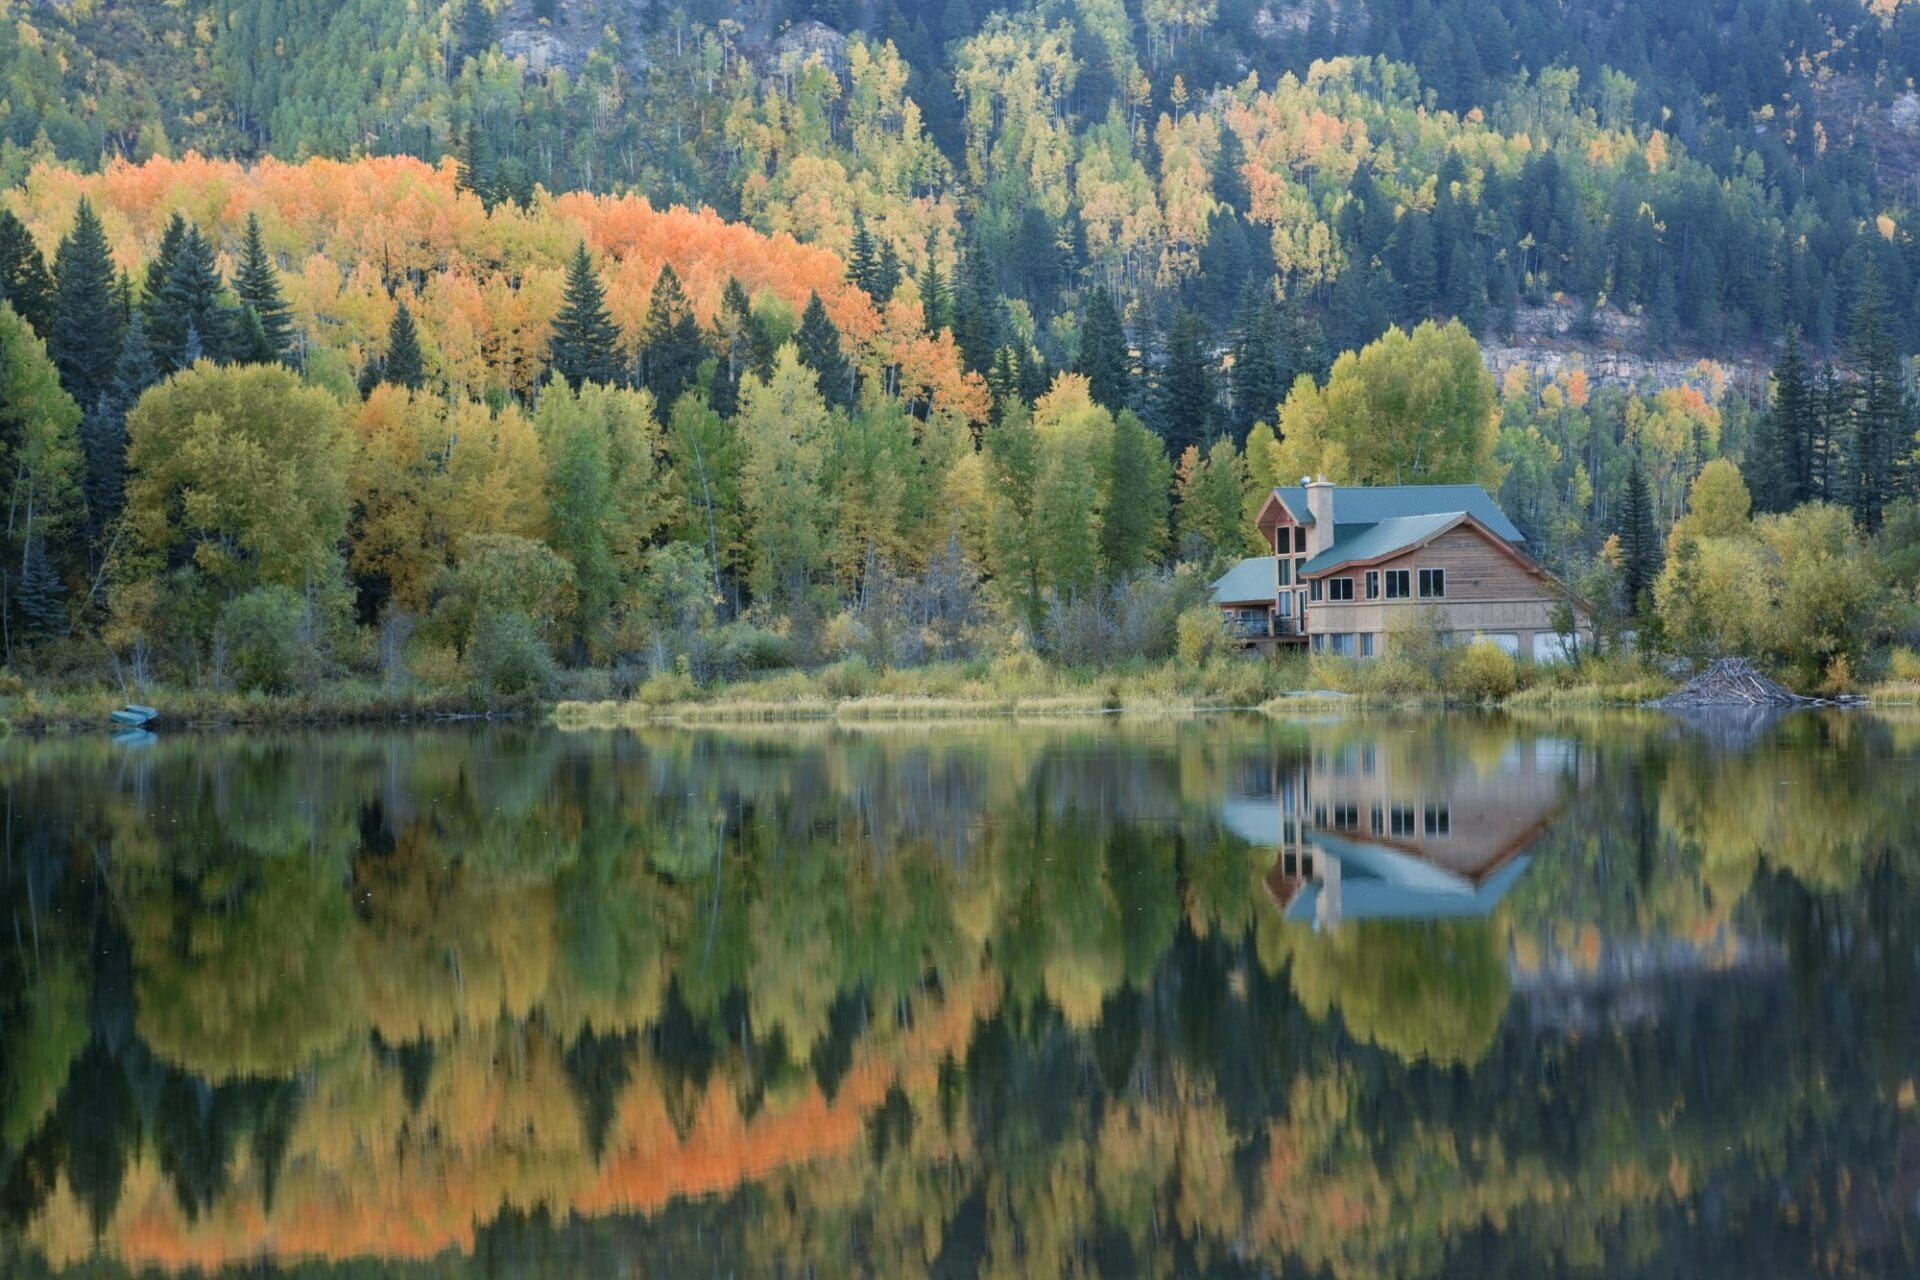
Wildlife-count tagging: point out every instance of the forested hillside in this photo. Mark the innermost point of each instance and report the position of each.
(696, 339)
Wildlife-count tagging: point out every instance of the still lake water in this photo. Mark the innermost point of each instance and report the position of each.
(1610, 995)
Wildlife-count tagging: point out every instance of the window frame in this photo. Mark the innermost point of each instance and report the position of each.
(1404, 578)
(1314, 591)
(1366, 644)
(1430, 579)
(1340, 590)
(1373, 584)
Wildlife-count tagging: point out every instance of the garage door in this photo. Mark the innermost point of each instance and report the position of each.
(1548, 647)
(1507, 640)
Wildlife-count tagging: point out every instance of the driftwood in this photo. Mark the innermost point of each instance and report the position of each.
(1731, 682)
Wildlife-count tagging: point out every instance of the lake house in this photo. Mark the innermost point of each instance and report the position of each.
(1353, 564)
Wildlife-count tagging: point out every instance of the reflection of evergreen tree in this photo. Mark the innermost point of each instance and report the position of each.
(599, 1067)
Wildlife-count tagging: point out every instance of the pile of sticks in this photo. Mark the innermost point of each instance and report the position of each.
(1732, 682)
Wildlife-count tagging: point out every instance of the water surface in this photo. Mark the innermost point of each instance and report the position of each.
(1407, 996)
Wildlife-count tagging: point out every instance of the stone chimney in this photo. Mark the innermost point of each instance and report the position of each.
(1320, 504)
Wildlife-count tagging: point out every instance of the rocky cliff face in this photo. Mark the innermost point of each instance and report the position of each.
(1552, 339)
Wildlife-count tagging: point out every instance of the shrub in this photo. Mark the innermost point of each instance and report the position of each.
(1484, 672)
(259, 633)
(507, 657)
(1903, 666)
(1202, 632)
(1839, 677)
(436, 666)
(741, 649)
(848, 678)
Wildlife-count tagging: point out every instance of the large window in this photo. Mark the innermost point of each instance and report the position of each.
(1399, 584)
(1339, 588)
(1313, 589)
(1286, 573)
(1373, 584)
(1299, 538)
(1433, 584)
(1341, 642)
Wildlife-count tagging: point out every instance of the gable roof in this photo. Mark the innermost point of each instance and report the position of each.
(1372, 504)
(1377, 542)
(1254, 579)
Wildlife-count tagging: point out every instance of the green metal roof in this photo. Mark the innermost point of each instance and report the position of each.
(1255, 579)
(1378, 541)
(1372, 504)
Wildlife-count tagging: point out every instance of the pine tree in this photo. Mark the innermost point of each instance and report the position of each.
(476, 29)
(886, 275)
(1184, 397)
(257, 285)
(403, 365)
(741, 342)
(818, 344)
(1794, 427)
(474, 168)
(977, 310)
(1103, 353)
(861, 260)
(103, 432)
(671, 348)
(83, 336)
(188, 304)
(1260, 373)
(160, 266)
(1881, 415)
(1639, 548)
(936, 300)
(585, 341)
(24, 282)
(39, 594)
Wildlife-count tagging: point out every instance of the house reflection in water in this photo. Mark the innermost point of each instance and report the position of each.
(1389, 827)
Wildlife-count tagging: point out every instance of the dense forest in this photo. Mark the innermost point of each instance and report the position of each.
(704, 339)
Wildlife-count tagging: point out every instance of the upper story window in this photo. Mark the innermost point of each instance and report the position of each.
(1299, 537)
(1373, 584)
(1399, 584)
(1313, 590)
(1339, 588)
(1433, 584)
(1286, 573)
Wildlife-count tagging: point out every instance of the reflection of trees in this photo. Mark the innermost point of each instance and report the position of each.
(1009, 1003)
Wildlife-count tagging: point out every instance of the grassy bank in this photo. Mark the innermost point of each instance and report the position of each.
(335, 703)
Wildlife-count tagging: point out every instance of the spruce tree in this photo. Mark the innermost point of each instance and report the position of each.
(1103, 353)
(936, 299)
(476, 29)
(886, 275)
(160, 266)
(188, 305)
(1638, 546)
(103, 432)
(585, 341)
(1794, 427)
(257, 285)
(818, 345)
(1184, 396)
(83, 335)
(403, 365)
(671, 348)
(977, 312)
(474, 169)
(24, 281)
(1259, 378)
(39, 594)
(1881, 419)
(862, 259)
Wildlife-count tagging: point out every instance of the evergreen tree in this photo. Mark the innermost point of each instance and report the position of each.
(886, 275)
(977, 312)
(862, 260)
(39, 594)
(1880, 410)
(84, 331)
(403, 365)
(188, 304)
(1103, 353)
(741, 341)
(936, 300)
(818, 344)
(1638, 545)
(671, 348)
(1794, 428)
(103, 432)
(1183, 402)
(585, 341)
(1833, 406)
(476, 29)
(257, 285)
(474, 168)
(160, 266)
(1260, 367)
(24, 282)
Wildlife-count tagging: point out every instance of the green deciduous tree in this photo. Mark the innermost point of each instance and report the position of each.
(783, 426)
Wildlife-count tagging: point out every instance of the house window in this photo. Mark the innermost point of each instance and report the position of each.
(1313, 589)
(1341, 642)
(1339, 588)
(1376, 821)
(1399, 586)
(1299, 538)
(1401, 820)
(1433, 584)
(1366, 644)
(1286, 573)
(1319, 642)
(1346, 817)
(1373, 584)
(1439, 820)
(1286, 604)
